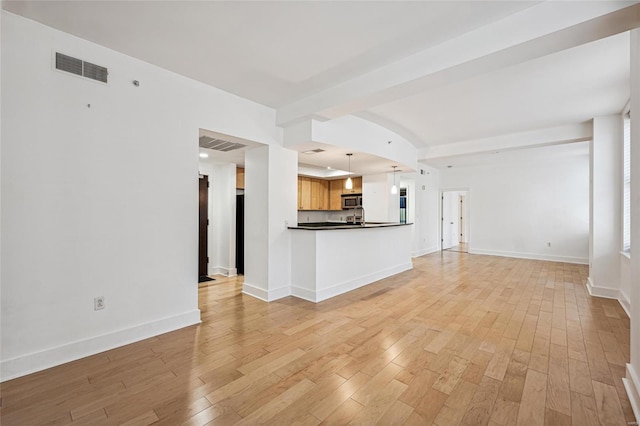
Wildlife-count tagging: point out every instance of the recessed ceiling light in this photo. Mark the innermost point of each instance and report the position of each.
(204, 155)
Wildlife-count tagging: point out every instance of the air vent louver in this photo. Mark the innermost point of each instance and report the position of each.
(95, 72)
(79, 67)
(68, 64)
(219, 144)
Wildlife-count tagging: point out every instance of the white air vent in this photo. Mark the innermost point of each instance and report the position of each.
(219, 144)
(79, 67)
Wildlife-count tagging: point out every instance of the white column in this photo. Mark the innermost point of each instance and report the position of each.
(270, 203)
(605, 207)
(632, 383)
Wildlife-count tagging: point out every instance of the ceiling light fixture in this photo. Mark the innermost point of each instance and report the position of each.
(204, 155)
(394, 188)
(349, 183)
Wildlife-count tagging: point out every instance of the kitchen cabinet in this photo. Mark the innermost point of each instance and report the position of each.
(335, 191)
(304, 193)
(357, 185)
(320, 194)
(239, 178)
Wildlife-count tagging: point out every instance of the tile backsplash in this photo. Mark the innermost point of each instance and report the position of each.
(322, 216)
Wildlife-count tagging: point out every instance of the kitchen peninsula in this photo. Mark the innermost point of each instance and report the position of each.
(332, 259)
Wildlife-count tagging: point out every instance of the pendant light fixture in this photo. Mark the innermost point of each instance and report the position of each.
(394, 188)
(349, 183)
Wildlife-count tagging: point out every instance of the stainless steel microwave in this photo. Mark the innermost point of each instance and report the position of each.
(350, 201)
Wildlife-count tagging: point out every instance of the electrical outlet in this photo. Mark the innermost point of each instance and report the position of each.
(98, 303)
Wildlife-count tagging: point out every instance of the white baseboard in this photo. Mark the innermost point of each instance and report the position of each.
(303, 293)
(423, 252)
(533, 256)
(606, 292)
(625, 303)
(632, 386)
(38, 361)
(609, 293)
(220, 270)
(359, 282)
(267, 296)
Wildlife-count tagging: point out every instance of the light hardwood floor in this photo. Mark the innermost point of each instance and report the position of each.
(459, 340)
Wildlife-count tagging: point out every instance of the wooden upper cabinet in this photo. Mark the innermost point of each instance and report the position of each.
(239, 178)
(313, 194)
(304, 193)
(319, 194)
(335, 191)
(357, 185)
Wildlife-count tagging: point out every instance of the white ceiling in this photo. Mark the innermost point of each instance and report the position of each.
(571, 86)
(288, 54)
(269, 52)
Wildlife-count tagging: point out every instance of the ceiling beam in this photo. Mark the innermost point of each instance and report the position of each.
(535, 32)
(533, 139)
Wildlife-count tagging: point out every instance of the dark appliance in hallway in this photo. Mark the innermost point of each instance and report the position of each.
(203, 223)
(240, 233)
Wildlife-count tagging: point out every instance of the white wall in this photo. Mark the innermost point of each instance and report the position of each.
(100, 201)
(270, 205)
(632, 385)
(517, 207)
(424, 192)
(379, 203)
(223, 203)
(605, 211)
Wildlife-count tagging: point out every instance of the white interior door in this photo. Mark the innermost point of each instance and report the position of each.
(449, 220)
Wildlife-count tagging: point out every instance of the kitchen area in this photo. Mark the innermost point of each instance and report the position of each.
(316, 222)
(334, 248)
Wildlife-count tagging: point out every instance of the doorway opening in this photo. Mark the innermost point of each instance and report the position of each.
(203, 228)
(454, 221)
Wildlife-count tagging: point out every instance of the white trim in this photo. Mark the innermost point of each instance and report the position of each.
(220, 270)
(279, 293)
(423, 252)
(632, 386)
(319, 296)
(606, 292)
(266, 295)
(609, 293)
(38, 361)
(360, 281)
(303, 293)
(254, 291)
(626, 254)
(625, 303)
(533, 256)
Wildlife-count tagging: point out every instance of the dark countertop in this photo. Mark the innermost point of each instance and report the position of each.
(325, 226)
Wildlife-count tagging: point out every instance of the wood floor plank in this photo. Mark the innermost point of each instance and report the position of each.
(532, 406)
(378, 405)
(583, 410)
(558, 390)
(343, 414)
(607, 404)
